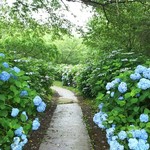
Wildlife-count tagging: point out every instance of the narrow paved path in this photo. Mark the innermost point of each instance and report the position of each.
(67, 130)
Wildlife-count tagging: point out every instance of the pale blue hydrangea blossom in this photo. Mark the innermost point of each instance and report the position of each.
(41, 107)
(4, 76)
(122, 135)
(140, 69)
(16, 69)
(35, 124)
(37, 100)
(144, 84)
(146, 73)
(2, 55)
(120, 98)
(19, 142)
(143, 145)
(139, 133)
(122, 88)
(100, 106)
(6, 65)
(99, 118)
(24, 93)
(14, 112)
(144, 118)
(111, 84)
(19, 131)
(135, 76)
(133, 143)
(115, 145)
(110, 133)
(112, 94)
(144, 134)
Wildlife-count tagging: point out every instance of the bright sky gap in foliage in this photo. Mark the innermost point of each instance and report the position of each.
(77, 13)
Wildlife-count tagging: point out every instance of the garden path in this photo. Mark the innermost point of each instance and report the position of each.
(67, 130)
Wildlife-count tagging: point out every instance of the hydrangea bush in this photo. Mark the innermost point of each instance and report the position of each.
(125, 110)
(19, 105)
(41, 73)
(97, 73)
(68, 74)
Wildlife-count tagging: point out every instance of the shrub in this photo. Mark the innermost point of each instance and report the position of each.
(40, 72)
(96, 74)
(17, 107)
(68, 74)
(125, 110)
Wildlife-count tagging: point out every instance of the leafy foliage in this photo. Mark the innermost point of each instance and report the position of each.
(126, 110)
(71, 50)
(95, 75)
(16, 103)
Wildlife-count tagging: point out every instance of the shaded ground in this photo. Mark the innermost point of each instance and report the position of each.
(97, 136)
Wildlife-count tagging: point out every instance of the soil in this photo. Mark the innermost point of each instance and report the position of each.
(97, 136)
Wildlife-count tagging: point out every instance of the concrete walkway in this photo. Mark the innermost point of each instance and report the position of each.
(67, 130)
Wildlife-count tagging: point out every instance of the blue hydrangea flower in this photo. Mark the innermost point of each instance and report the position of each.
(19, 142)
(144, 84)
(143, 145)
(4, 76)
(144, 118)
(140, 69)
(117, 80)
(23, 136)
(109, 86)
(146, 73)
(122, 135)
(110, 133)
(25, 140)
(135, 76)
(114, 138)
(19, 131)
(100, 106)
(16, 140)
(41, 107)
(2, 55)
(120, 98)
(24, 113)
(114, 145)
(122, 88)
(112, 94)
(37, 101)
(99, 118)
(144, 134)
(16, 147)
(136, 133)
(14, 112)
(23, 93)
(16, 69)
(35, 124)
(6, 65)
(133, 143)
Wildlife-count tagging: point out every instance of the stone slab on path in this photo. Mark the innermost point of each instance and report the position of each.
(67, 130)
(66, 96)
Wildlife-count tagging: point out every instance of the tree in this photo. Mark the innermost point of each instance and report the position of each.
(71, 50)
(124, 30)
